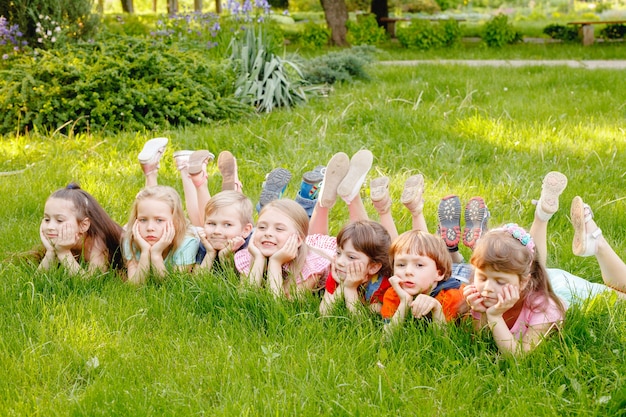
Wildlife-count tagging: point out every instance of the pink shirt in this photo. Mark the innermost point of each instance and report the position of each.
(538, 309)
(315, 264)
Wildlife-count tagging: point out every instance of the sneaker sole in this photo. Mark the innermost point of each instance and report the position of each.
(151, 148)
(379, 188)
(197, 159)
(275, 183)
(553, 185)
(336, 170)
(449, 213)
(476, 215)
(360, 164)
(226, 166)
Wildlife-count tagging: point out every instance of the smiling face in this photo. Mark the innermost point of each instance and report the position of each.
(56, 213)
(222, 225)
(272, 231)
(418, 273)
(152, 216)
(348, 254)
(490, 283)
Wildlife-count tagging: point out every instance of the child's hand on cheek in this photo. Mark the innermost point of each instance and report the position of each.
(166, 238)
(231, 247)
(254, 251)
(424, 304)
(288, 252)
(474, 299)
(403, 295)
(47, 243)
(139, 240)
(68, 237)
(506, 300)
(205, 242)
(356, 275)
(333, 270)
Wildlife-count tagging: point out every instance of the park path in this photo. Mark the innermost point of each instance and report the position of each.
(515, 63)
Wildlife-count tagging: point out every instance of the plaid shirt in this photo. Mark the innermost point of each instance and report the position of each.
(316, 263)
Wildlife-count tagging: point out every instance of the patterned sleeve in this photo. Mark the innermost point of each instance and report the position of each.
(243, 261)
(318, 260)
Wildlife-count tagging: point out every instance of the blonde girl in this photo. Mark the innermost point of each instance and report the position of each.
(76, 231)
(511, 293)
(157, 235)
(282, 249)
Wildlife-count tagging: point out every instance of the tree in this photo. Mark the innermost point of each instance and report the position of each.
(381, 9)
(172, 7)
(127, 6)
(336, 14)
(197, 6)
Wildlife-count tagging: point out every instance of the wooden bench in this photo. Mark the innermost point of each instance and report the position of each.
(586, 28)
(390, 22)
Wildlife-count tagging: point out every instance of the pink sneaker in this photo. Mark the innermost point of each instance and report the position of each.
(553, 185)
(379, 194)
(412, 195)
(581, 216)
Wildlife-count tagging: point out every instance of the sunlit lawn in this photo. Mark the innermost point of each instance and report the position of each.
(196, 345)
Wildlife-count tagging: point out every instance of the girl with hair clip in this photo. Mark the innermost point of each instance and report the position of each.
(158, 236)
(511, 292)
(76, 230)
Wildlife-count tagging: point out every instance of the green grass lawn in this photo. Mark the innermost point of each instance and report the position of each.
(198, 345)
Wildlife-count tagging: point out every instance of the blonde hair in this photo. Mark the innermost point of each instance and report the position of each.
(169, 196)
(502, 252)
(294, 212)
(417, 242)
(234, 200)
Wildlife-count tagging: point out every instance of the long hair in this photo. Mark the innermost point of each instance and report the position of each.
(169, 196)
(417, 242)
(297, 215)
(372, 239)
(500, 251)
(102, 227)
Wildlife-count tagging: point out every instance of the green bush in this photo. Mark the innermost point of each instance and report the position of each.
(314, 36)
(365, 31)
(72, 17)
(614, 31)
(422, 34)
(498, 32)
(342, 66)
(113, 84)
(566, 33)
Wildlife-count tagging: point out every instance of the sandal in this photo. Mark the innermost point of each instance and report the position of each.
(379, 194)
(181, 159)
(412, 194)
(336, 171)
(228, 168)
(584, 243)
(199, 160)
(553, 185)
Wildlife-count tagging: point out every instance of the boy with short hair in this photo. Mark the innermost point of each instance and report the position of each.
(421, 281)
(228, 225)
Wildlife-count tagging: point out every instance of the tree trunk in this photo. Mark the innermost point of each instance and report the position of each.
(172, 7)
(336, 14)
(218, 7)
(100, 6)
(381, 9)
(154, 6)
(127, 6)
(197, 6)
